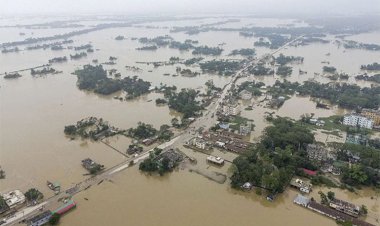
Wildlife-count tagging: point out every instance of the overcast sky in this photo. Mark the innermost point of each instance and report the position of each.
(189, 6)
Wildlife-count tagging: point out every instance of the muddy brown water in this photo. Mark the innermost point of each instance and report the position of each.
(34, 111)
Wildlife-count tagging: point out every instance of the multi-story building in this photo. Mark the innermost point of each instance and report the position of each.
(231, 109)
(358, 120)
(316, 152)
(372, 114)
(245, 95)
(245, 129)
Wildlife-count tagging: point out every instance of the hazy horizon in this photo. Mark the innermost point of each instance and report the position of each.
(280, 7)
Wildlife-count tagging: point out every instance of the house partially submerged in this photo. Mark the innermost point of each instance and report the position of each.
(200, 143)
(226, 140)
(173, 157)
(302, 200)
(245, 95)
(301, 185)
(91, 166)
(328, 211)
(215, 160)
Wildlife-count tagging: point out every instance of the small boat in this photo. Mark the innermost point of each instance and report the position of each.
(56, 187)
(50, 185)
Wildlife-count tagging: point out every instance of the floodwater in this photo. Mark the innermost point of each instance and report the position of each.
(34, 111)
(182, 198)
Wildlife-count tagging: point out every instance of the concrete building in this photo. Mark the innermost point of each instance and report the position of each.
(374, 115)
(225, 126)
(14, 198)
(231, 109)
(345, 207)
(215, 160)
(245, 95)
(316, 152)
(301, 185)
(356, 139)
(358, 120)
(302, 200)
(245, 129)
(199, 143)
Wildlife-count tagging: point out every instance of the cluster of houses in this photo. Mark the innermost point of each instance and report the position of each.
(275, 102)
(244, 129)
(222, 139)
(316, 122)
(323, 157)
(301, 185)
(316, 153)
(95, 128)
(245, 95)
(336, 209)
(173, 157)
(91, 166)
(357, 139)
(368, 118)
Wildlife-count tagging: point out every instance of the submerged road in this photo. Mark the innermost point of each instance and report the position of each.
(206, 121)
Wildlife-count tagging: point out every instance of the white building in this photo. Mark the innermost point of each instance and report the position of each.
(245, 129)
(199, 143)
(245, 95)
(231, 109)
(14, 198)
(358, 120)
(215, 160)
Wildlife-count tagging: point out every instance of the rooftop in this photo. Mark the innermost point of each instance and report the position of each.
(13, 198)
(41, 216)
(301, 200)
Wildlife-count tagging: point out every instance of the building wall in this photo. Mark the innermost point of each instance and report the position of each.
(357, 120)
(374, 115)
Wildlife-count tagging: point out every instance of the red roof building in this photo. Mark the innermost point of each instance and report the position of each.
(309, 172)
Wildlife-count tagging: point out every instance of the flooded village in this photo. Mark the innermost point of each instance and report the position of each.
(189, 120)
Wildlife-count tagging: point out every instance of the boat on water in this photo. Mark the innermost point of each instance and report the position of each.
(56, 187)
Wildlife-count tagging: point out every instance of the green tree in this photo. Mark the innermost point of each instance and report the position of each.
(363, 210)
(324, 199)
(175, 122)
(331, 195)
(355, 175)
(54, 219)
(33, 195)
